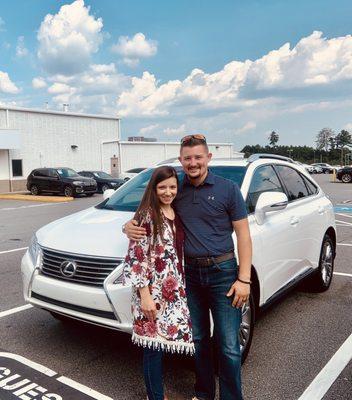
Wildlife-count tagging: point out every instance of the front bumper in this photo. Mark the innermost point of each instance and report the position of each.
(109, 306)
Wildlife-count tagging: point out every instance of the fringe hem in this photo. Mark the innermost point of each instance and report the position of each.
(164, 345)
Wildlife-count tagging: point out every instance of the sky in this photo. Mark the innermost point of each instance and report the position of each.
(233, 70)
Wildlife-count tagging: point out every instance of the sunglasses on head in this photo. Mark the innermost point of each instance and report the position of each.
(198, 136)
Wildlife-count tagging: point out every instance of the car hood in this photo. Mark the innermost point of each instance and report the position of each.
(78, 178)
(93, 232)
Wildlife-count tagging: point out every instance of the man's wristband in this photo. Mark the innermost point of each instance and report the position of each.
(246, 282)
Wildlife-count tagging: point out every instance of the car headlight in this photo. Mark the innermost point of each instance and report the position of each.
(33, 249)
(77, 183)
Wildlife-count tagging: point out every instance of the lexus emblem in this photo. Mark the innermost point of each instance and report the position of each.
(68, 268)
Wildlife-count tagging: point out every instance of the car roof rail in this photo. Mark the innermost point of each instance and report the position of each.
(259, 156)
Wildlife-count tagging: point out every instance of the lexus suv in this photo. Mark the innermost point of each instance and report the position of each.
(73, 267)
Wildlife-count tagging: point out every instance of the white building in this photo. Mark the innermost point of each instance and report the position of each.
(31, 138)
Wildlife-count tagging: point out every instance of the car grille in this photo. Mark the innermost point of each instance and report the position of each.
(91, 271)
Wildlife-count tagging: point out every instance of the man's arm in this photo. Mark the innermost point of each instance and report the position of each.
(239, 289)
(133, 231)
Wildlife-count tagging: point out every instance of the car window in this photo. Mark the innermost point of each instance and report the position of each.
(310, 185)
(42, 173)
(264, 180)
(293, 181)
(67, 173)
(52, 173)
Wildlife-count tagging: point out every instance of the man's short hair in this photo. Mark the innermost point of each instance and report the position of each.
(192, 141)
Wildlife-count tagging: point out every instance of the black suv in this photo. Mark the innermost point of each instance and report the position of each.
(60, 180)
(104, 180)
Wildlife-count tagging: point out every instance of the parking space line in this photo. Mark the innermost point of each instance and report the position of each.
(344, 215)
(32, 205)
(11, 251)
(344, 222)
(30, 363)
(327, 376)
(15, 310)
(82, 388)
(344, 244)
(342, 274)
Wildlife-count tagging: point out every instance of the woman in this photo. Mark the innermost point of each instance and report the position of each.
(153, 266)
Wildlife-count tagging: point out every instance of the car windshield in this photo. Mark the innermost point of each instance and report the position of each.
(68, 173)
(128, 197)
(102, 174)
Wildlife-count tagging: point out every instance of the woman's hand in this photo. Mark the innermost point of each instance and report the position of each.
(133, 231)
(148, 306)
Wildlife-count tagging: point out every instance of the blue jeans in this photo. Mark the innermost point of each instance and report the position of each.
(206, 290)
(153, 373)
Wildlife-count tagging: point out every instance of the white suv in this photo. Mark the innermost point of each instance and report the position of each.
(73, 266)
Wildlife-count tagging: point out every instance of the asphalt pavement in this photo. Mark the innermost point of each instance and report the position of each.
(293, 340)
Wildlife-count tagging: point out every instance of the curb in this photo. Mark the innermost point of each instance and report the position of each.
(29, 197)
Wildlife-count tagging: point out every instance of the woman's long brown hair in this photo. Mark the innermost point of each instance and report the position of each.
(150, 202)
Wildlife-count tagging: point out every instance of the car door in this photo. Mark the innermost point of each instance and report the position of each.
(54, 184)
(42, 179)
(308, 211)
(278, 234)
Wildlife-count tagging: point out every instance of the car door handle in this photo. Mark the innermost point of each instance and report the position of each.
(294, 221)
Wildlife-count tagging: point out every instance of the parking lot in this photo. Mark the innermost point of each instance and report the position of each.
(293, 340)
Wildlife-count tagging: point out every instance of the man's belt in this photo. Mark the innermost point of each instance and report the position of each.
(208, 261)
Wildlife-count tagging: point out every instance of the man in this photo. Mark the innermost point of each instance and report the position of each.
(211, 207)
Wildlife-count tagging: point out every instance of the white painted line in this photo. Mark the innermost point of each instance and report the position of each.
(343, 225)
(33, 205)
(11, 251)
(82, 388)
(30, 363)
(344, 222)
(14, 310)
(327, 376)
(344, 215)
(343, 274)
(344, 244)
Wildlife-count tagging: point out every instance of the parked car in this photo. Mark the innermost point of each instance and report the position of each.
(130, 173)
(104, 181)
(64, 181)
(327, 168)
(307, 167)
(73, 267)
(344, 174)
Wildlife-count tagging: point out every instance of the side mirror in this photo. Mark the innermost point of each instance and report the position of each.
(108, 193)
(268, 202)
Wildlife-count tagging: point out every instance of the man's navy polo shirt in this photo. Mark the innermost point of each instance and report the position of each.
(207, 212)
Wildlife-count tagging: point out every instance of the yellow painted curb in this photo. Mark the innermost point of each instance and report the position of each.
(29, 197)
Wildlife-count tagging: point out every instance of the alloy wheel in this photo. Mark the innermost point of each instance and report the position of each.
(68, 192)
(34, 190)
(104, 187)
(346, 178)
(327, 262)
(245, 328)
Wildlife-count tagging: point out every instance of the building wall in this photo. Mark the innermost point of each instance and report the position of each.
(139, 154)
(47, 140)
(4, 171)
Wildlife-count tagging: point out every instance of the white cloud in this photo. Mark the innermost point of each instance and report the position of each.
(148, 129)
(68, 39)
(178, 131)
(6, 85)
(312, 64)
(348, 127)
(247, 127)
(21, 50)
(135, 48)
(2, 25)
(103, 68)
(59, 88)
(38, 83)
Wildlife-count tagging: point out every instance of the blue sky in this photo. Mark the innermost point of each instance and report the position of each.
(234, 70)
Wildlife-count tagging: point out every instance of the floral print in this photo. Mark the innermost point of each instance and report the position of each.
(155, 263)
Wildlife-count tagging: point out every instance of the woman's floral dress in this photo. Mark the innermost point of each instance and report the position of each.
(156, 264)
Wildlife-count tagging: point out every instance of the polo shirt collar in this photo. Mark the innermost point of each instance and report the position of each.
(209, 180)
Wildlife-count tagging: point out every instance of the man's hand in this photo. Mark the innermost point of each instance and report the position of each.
(240, 292)
(133, 231)
(148, 306)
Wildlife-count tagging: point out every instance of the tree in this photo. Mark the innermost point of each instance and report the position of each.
(323, 138)
(343, 138)
(273, 138)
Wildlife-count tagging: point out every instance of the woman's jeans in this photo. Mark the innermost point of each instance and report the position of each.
(206, 290)
(153, 373)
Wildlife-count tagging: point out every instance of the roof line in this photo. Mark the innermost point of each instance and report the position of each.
(56, 112)
(178, 143)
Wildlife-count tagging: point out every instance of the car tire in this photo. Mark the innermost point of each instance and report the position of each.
(34, 190)
(326, 171)
(247, 327)
(346, 178)
(68, 191)
(322, 278)
(104, 187)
